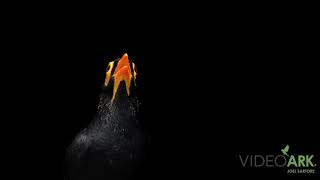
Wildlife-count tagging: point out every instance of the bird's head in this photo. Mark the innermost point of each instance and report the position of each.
(121, 72)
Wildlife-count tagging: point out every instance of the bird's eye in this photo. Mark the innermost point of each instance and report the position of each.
(134, 71)
(134, 67)
(108, 73)
(108, 68)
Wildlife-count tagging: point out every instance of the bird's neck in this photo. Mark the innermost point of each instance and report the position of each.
(121, 112)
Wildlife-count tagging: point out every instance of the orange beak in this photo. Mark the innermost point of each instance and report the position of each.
(121, 73)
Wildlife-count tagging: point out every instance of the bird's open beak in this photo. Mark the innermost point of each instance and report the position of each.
(121, 73)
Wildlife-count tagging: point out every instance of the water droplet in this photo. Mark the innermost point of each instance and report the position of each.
(110, 161)
(131, 156)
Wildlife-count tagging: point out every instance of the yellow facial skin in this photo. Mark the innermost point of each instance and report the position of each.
(121, 73)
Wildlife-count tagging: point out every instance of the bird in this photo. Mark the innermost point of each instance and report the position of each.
(285, 150)
(111, 146)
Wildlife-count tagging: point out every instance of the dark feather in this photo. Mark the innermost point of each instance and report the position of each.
(111, 146)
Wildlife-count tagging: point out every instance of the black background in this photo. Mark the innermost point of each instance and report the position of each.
(212, 85)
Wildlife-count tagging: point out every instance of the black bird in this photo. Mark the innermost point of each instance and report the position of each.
(111, 146)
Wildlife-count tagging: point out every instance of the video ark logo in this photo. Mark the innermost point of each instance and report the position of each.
(295, 164)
